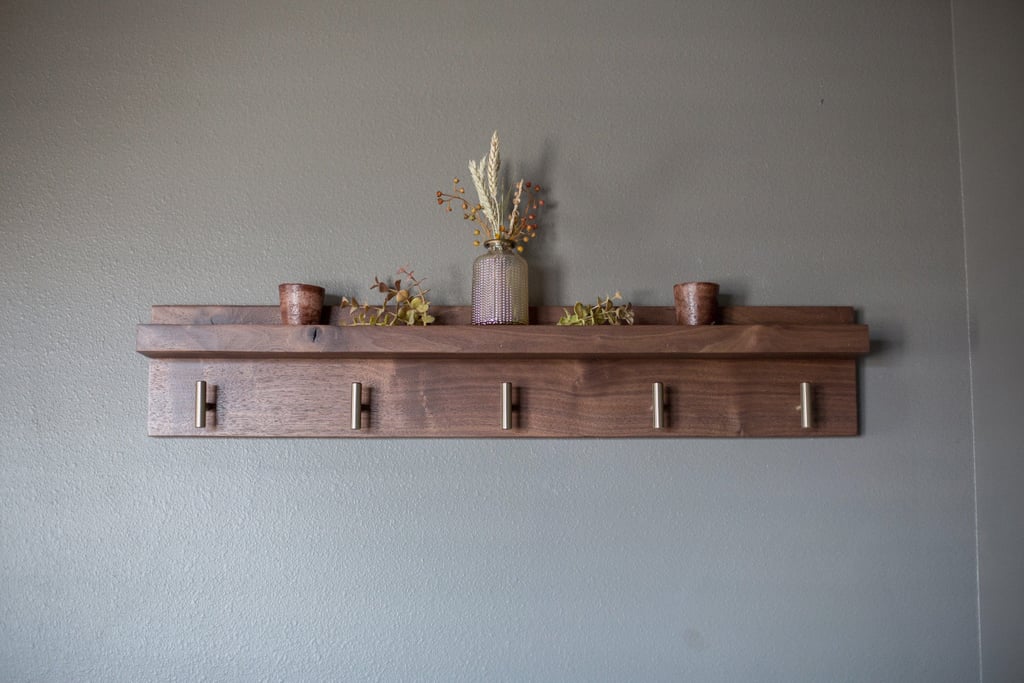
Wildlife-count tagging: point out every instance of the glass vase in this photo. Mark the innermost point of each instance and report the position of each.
(500, 294)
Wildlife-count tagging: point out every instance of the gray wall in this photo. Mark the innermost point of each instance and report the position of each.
(990, 70)
(202, 152)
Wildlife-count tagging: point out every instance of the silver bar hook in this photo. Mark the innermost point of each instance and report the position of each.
(506, 405)
(658, 389)
(201, 405)
(806, 406)
(357, 405)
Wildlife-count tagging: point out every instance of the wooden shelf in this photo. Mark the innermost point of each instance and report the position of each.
(528, 341)
(740, 378)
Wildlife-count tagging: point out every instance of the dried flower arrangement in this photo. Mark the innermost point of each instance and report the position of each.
(502, 213)
(410, 306)
(604, 312)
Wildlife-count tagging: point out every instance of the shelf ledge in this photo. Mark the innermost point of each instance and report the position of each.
(528, 341)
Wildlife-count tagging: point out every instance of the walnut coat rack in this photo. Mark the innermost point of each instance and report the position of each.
(235, 371)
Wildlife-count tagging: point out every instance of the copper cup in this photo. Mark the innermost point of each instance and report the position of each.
(696, 303)
(301, 304)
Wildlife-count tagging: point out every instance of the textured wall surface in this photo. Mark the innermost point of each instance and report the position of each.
(990, 69)
(203, 152)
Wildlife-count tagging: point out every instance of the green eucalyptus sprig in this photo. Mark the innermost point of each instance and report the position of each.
(402, 304)
(604, 312)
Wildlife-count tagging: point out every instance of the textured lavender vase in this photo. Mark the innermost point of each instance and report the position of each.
(301, 304)
(696, 303)
(500, 286)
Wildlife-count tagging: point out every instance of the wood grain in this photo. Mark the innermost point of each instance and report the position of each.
(494, 342)
(737, 379)
(553, 398)
(542, 315)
